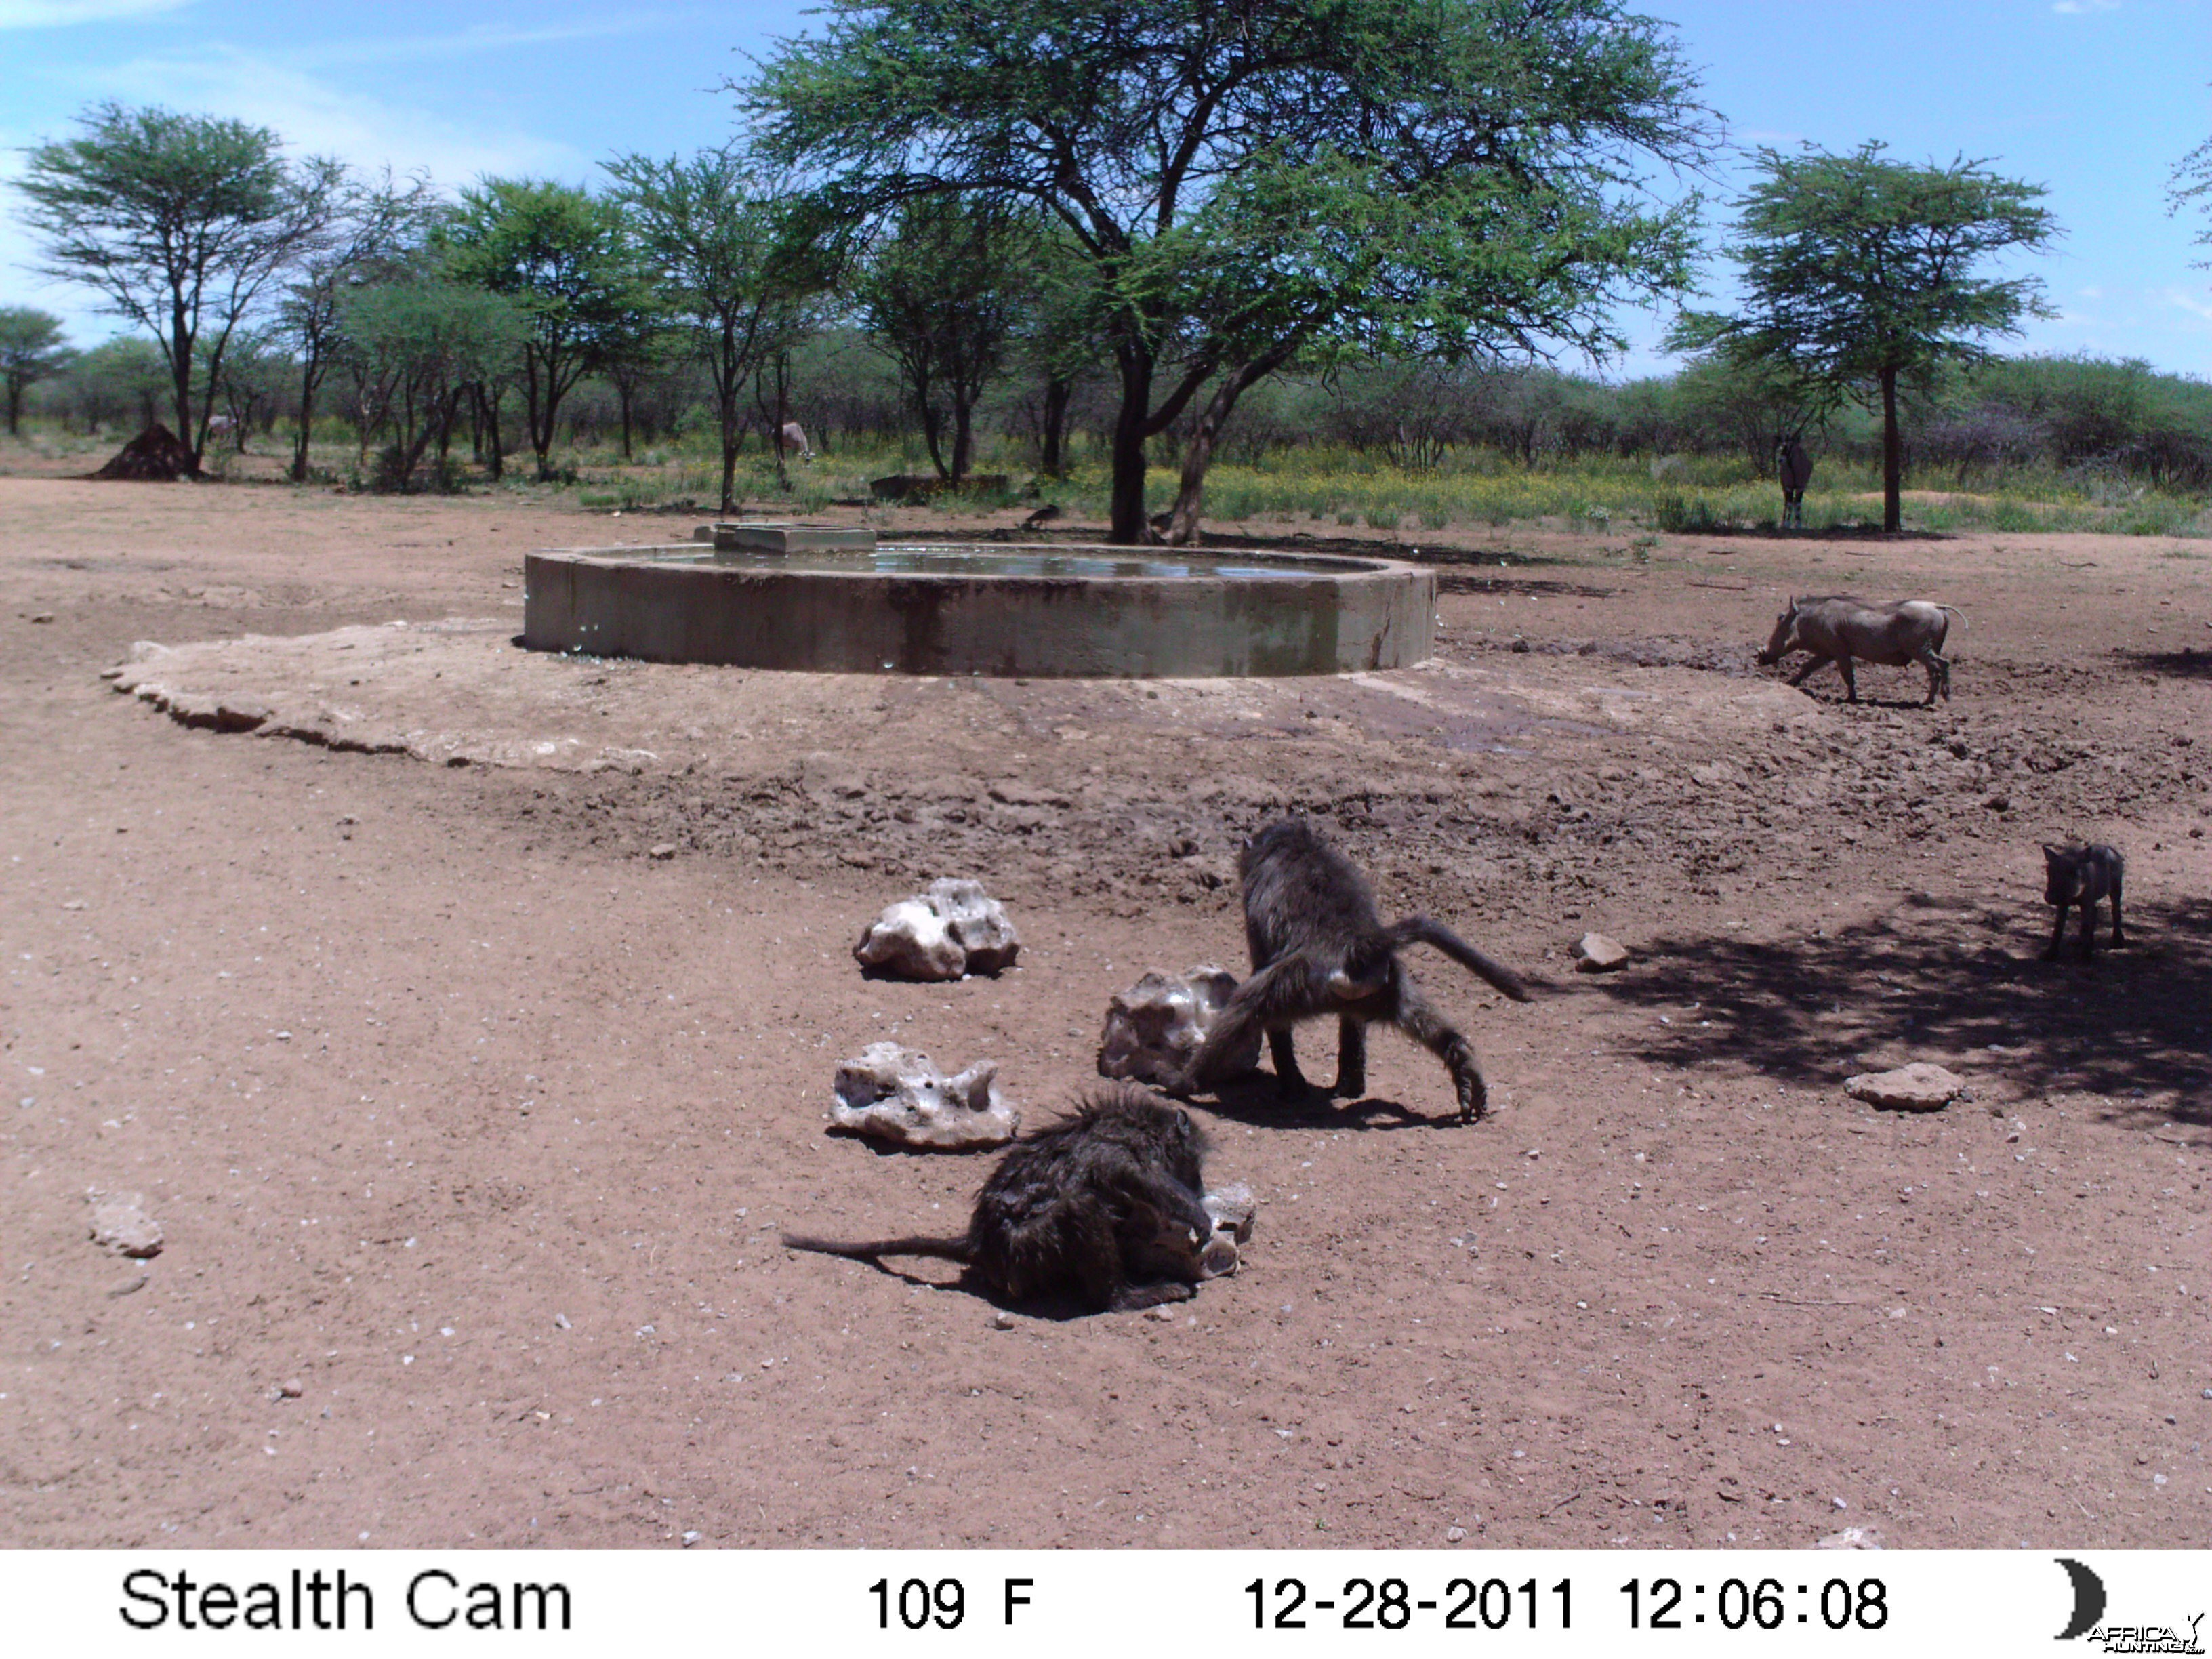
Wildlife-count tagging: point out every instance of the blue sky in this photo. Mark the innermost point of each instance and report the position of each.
(2095, 99)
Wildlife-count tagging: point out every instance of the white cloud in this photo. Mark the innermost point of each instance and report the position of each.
(60, 14)
(315, 116)
(2082, 7)
(2189, 302)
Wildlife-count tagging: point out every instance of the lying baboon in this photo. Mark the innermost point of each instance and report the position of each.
(2080, 876)
(1104, 1203)
(1320, 947)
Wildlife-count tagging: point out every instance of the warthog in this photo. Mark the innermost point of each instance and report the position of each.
(1836, 627)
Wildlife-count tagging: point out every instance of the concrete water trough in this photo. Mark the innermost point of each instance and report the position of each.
(1048, 611)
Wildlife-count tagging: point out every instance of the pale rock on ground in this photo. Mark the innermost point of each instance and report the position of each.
(897, 1094)
(952, 929)
(1596, 954)
(1153, 1028)
(1851, 1538)
(120, 1224)
(1232, 1208)
(1919, 1087)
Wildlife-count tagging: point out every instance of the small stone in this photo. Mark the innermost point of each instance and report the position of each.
(1851, 1538)
(290, 1389)
(43, 617)
(1455, 1534)
(664, 850)
(1919, 1087)
(1002, 1321)
(953, 928)
(1163, 1313)
(1594, 953)
(897, 1094)
(1154, 1028)
(562, 1321)
(120, 1224)
(137, 1282)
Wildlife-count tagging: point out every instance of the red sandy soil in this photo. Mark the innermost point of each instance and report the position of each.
(469, 1115)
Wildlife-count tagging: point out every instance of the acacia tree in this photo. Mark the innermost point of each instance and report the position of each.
(735, 258)
(31, 349)
(180, 222)
(565, 260)
(2191, 185)
(375, 229)
(941, 295)
(415, 348)
(1252, 179)
(1860, 271)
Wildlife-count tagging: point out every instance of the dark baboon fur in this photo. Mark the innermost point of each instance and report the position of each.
(2079, 876)
(1104, 1203)
(1320, 947)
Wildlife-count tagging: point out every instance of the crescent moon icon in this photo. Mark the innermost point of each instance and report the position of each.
(2088, 1598)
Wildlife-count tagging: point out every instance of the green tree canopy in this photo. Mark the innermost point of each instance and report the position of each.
(415, 347)
(377, 228)
(1248, 180)
(942, 294)
(1859, 270)
(180, 222)
(31, 348)
(565, 260)
(732, 259)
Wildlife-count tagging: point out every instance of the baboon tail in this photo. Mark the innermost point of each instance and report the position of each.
(952, 1250)
(1427, 931)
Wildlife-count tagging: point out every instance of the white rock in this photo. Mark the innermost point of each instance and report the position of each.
(1232, 1208)
(1153, 1028)
(1596, 954)
(954, 928)
(895, 1093)
(1919, 1087)
(1851, 1538)
(120, 1224)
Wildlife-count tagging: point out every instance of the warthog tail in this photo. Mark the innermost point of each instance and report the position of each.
(1955, 614)
(1427, 931)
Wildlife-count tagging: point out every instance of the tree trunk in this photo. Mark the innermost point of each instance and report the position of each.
(1126, 525)
(963, 438)
(15, 405)
(621, 395)
(1892, 456)
(1198, 454)
(488, 403)
(1052, 445)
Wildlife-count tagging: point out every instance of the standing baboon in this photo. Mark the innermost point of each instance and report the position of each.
(1320, 947)
(1105, 1203)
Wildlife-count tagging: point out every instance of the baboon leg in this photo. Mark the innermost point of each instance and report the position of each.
(1418, 1018)
(1289, 1080)
(1351, 1057)
(1850, 680)
(2058, 936)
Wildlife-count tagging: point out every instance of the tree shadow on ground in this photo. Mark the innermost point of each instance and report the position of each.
(2183, 665)
(1948, 978)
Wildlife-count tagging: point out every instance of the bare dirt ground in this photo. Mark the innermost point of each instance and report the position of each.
(476, 1121)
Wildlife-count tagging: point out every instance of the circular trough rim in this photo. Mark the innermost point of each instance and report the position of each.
(1314, 566)
(1363, 614)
